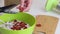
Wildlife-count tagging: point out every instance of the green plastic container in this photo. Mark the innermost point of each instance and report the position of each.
(50, 4)
(19, 16)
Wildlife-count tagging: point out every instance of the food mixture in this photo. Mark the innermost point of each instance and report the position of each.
(15, 25)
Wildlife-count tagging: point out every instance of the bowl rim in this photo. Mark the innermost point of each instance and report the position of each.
(24, 29)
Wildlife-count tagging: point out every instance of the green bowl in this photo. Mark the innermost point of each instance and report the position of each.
(19, 16)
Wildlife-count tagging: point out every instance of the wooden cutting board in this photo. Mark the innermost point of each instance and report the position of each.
(48, 24)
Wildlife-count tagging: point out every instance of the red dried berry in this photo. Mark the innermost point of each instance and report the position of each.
(25, 5)
(25, 1)
(21, 8)
(23, 23)
(25, 27)
(15, 20)
(38, 25)
(18, 28)
(17, 23)
(13, 28)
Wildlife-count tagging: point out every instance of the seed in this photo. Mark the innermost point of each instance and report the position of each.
(15, 20)
(25, 27)
(38, 25)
